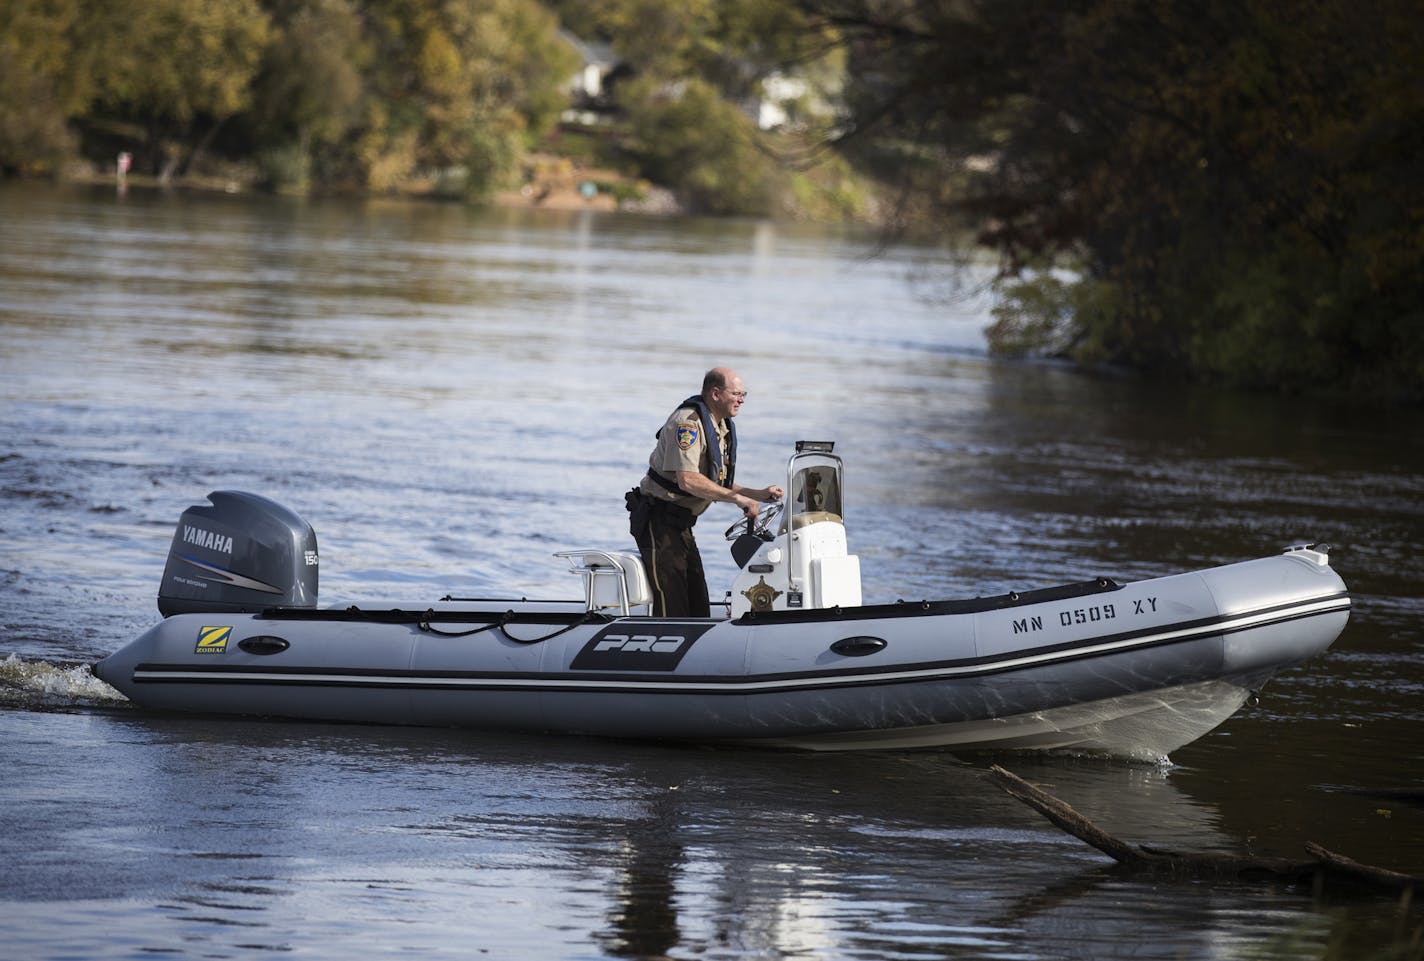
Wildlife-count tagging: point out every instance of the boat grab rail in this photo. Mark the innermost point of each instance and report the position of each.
(904, 608)
(427, 619)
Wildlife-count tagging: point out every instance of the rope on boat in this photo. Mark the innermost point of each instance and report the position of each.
(505, 619)
(592, 617)
(425, 625)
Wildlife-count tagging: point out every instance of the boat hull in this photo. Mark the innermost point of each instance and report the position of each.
(1132, 670)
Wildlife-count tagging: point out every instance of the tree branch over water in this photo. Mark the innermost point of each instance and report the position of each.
(1230, 182)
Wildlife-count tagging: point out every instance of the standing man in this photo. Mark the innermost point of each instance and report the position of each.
(693, 464)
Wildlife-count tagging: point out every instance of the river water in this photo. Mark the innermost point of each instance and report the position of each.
(450, 396)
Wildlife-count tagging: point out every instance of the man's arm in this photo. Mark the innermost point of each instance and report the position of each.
(747, 498)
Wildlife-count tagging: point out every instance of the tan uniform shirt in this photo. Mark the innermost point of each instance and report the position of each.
(680, 447)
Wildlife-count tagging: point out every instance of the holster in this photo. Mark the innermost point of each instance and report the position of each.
(642, 509)
(639, 509)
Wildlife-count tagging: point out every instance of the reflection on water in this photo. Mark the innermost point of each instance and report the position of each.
(327, 840)
(450, 396)
(640, 849)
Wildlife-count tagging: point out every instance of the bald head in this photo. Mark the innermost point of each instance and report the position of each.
(716, 377)
(723, 392)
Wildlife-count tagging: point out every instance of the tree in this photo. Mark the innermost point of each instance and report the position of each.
(308, 93)
(1228, 179)
(178, 68)
(731, 44)
(457, 86)
(697, 69)
(38, 90)
(691, 139)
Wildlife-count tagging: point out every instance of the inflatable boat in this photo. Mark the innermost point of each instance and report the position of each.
(792, 658)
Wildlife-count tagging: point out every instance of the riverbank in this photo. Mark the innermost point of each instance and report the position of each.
(828, 194)
(550, 182)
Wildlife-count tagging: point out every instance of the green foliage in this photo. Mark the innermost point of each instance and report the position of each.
(308, 94)
(664, 39)
(319, 94)
(386, 95)
(285, 167)
(165, 63)
(1231, 181)
(37, 91)
(1033, 316)
(162, 64)
(698, 70)
(492, 156)
(692, 140)
(731, 44)
(459, 84)
(829, 191)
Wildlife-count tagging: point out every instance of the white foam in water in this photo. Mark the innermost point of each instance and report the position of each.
(40, 683)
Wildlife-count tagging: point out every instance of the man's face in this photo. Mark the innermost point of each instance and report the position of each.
(726, 401)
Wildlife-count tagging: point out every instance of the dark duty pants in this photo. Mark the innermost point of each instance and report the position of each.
(674, 569)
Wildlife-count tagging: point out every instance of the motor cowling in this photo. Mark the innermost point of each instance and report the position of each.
(242, 553)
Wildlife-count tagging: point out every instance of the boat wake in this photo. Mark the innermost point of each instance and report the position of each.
(42, 685)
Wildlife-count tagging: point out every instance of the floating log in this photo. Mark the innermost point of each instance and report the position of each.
(1324, 864)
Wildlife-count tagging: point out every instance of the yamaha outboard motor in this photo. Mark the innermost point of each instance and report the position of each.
(243, 554)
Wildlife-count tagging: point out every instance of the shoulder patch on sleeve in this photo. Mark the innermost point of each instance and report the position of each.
(686, 435)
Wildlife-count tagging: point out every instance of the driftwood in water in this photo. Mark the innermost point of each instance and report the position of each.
(1325, 863)
(1380, 877)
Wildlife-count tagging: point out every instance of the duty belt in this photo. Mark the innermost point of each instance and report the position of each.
(666, 484)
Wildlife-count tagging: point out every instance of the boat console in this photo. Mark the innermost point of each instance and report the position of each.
(805, 564)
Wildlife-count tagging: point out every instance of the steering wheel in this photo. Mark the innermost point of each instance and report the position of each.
(758, 526)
